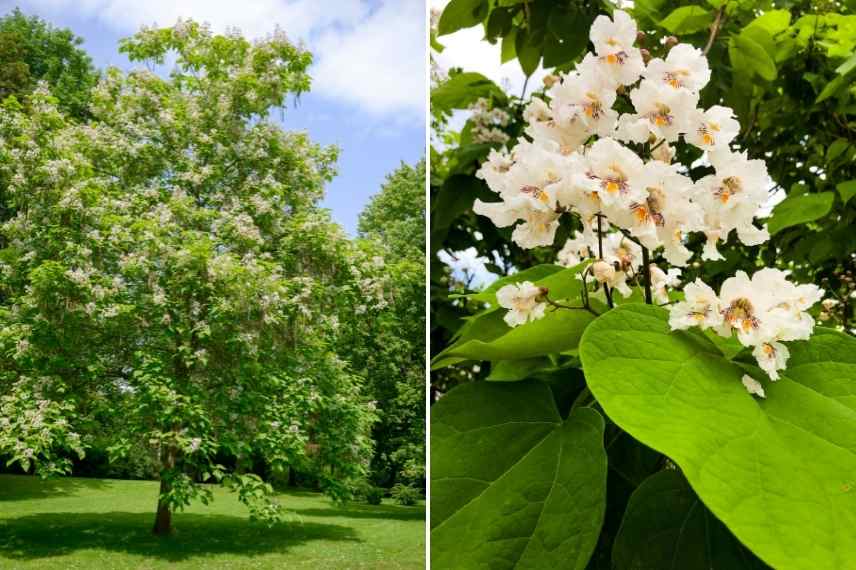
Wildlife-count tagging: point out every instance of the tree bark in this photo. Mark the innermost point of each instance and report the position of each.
(163, 517)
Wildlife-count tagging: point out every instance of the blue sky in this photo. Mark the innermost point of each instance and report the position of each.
(368, 94)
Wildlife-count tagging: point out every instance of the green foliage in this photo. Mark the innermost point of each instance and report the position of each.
(388, 346)
(532, 31)
(676, 393)
(405, 494)
(371, 494)
(31, 50)
(512, 482)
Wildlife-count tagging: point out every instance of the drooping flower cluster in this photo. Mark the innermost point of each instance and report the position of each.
(560, 170)
(616, 172)
(764, 311)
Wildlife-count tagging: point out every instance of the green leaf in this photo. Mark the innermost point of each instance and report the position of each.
(463, 89)
(755, 55)
(665, 525)
(835, 150)
(847, 66)
(831, 88)
(461, 14)
(772, 22)
(846, 190)
(514, 370)
(687, 20)
(558, 331)
(528, 48)
(512, 485)
(797, 210)
(508, 51)
(763, 467)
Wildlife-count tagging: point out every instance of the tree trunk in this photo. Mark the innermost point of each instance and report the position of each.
(163, 518)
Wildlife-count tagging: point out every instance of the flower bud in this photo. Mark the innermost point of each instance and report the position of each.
(640, 37)
(602, 271)
(828, 304)
(550, 80)
(646, 55)
(671, 41)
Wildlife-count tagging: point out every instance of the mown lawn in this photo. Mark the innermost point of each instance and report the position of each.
(97, 524)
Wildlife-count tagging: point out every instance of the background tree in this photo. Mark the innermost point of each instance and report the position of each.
(32, 50)
(155, 272)
(392, 344)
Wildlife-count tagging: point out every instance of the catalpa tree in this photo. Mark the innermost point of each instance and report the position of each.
(739, 400)
(157, 272)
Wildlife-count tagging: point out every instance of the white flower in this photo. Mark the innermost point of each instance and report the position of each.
(665, 111)
(664, 214)
(574, 251)
(521, 300)
(543, 127)
(613, 42)
(713, 129)
(700, 308)
(771, 357)
(603, 272)
(614, 173)
(753, 386)
(584, 98)
(731, 198)
(685, 67)
(539, 229)
(661, 281)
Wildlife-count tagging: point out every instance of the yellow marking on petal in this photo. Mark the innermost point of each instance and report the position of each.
(708, 139)
(612, 58)
(612, 186)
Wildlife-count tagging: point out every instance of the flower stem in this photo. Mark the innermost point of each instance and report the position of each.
(646, 275)
(600, 256)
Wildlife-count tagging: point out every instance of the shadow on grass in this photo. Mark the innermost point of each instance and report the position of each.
(27, 487)
(57, 534)
(358, 511)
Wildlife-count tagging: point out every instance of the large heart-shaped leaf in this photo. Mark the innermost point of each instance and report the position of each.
(780, 472)
(512, 485)
(665, 526)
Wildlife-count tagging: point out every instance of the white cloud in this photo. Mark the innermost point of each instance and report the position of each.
(379, 64)
(467, 49)
(367, 54)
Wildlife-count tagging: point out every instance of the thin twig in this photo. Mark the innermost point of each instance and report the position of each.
(646, 275)
(600, 256)
(553, 303)
(714, 29)
(629, 236)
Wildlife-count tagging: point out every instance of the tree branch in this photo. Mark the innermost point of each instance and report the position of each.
(714, 29)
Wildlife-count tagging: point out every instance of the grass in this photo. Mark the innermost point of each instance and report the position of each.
(106, 524)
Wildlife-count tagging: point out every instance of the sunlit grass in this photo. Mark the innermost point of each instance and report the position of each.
(106, 524)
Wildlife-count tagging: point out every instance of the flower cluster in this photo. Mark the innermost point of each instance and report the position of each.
(562, 170)
(615, 171)
(486, 123)
(764, 311)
